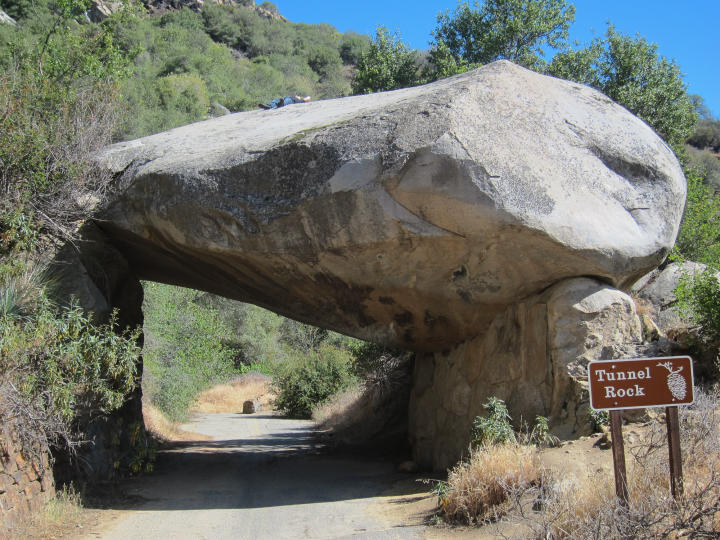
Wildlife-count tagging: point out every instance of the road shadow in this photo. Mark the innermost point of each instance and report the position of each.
(286, 467)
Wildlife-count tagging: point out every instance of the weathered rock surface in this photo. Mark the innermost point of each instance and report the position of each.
(534, 357)
(411, 218)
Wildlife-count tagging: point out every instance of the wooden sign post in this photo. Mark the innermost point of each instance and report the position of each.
(638, 383)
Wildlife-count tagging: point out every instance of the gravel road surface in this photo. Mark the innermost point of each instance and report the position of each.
(261, 477)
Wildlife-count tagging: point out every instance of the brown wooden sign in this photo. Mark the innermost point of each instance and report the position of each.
(641, 382)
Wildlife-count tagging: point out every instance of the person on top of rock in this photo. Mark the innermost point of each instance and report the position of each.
(287, 100)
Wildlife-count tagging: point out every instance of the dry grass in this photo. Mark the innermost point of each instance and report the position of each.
(60, 517)
(590, 510)
(165, 430)
(504, 484)
(372, 415)
(229, 397)
(476, 489)
(340, 409)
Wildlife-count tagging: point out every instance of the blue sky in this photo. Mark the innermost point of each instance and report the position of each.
(687, 31)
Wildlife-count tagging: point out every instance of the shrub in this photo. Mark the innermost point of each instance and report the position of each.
(496, 427)
(699, 236)
(699, 298)
(57, 370)
(590, 509)
(386, 65)
(301, 382)
(598, 419)
(58, 83)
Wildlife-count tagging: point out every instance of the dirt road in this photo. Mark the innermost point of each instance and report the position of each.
(260, 477)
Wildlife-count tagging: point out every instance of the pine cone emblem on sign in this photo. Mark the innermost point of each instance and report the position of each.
(676, 382)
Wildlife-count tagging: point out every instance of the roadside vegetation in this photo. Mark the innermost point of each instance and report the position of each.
(504, 482)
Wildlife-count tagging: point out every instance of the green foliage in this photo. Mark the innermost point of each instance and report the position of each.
(258, 338)
(699, 236)
(226, 54)
(303, 381)
(386, 65)
(706, 164)
(540, 434)
(64, 369)
(194, 340)
(352, 47)
(443, 63)
(706, 135)
(515, 30)
(18, 232)
(58, 81)
(496, 427)
(185, 350)
(699, 297)
(630, 71)
(598, 419)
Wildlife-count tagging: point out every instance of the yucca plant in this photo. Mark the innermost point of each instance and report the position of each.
(21, 292)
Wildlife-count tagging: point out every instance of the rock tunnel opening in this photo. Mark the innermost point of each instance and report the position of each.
(207, 354)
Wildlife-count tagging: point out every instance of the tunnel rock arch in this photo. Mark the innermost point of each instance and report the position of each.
(487, 221)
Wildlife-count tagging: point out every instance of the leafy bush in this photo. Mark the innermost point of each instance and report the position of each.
(58, 84)
(699, 297)
(516, 30)
(352, 46)
(302, 382)
(496, 427)
(598, 419)
(57, 370)
(386, 65)
(699, 236)
(706, 135)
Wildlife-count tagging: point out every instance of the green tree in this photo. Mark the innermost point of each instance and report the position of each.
(515, 30)
(699, 236)
(58, 83)
(388, 64)
(352, 46)
(630, 71)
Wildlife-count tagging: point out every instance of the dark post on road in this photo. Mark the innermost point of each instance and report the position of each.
(638, 383)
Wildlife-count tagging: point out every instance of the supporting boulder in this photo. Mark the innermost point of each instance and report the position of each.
(533, 357)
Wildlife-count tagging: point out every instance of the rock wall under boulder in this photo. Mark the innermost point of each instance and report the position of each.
(533, 356)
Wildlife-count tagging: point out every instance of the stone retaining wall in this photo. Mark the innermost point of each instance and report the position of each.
(26, 484)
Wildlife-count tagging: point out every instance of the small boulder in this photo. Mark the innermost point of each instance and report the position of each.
(250, 407)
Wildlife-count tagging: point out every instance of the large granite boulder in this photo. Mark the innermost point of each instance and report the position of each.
(411, 218)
